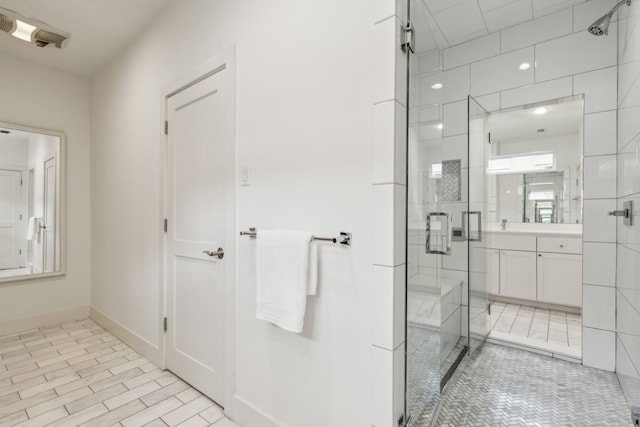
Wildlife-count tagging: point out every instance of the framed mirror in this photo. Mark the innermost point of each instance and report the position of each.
(32, 201)
(535, 166)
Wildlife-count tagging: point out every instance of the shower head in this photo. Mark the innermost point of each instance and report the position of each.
(601, 26)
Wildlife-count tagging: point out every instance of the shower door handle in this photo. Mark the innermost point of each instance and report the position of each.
(468, 233)
(439, 233)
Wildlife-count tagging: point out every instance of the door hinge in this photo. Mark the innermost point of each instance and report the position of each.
(166, 127)
(19, 251)
(20, 182)
(166, 225)
(165, 324)
(409, 39)
(489, 308)
(20, 217)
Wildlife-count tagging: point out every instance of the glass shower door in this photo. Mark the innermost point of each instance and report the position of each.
(475, 224)
(437, 200)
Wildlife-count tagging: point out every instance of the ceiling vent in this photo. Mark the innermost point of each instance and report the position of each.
(31, 30)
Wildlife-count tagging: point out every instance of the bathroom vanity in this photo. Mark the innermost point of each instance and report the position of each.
(536, 264)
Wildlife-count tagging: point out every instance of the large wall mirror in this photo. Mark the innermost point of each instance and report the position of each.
(535, 167)
(32, 178)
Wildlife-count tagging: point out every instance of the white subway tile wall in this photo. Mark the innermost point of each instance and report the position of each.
(600, 133)
(389, 218)
(598, 348)
(628, 237)
(599, 263)
(599, 305)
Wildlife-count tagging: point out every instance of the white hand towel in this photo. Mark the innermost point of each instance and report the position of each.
(312, 277)
(283, 277)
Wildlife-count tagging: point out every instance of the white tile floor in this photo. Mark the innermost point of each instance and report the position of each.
(77, 374)
(551, 330)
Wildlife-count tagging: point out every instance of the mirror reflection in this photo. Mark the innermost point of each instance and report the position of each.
(535, 166)
(30, 208)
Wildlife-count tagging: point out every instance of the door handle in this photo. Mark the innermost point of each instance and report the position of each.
(219, 253)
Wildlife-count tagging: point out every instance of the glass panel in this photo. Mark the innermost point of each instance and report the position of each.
(478, 144)
(425, 171)
(436, 247)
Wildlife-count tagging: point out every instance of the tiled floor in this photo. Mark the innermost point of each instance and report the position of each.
(555, 331)
(502, 386)
(77, 374)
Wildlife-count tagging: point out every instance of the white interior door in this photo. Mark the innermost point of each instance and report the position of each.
(197, 224)
(10, 230)
(49, 216)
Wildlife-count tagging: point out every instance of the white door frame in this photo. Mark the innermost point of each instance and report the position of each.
(45, 196)
(227, 63)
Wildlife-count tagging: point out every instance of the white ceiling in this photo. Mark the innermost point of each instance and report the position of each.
(523, 124)
(99, 30)
(455, 21)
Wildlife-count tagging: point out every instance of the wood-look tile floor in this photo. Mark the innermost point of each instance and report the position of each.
(78, 374)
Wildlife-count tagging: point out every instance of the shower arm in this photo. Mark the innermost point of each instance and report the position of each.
(616, 7)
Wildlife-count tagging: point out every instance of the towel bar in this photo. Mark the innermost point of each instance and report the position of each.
(344, 239)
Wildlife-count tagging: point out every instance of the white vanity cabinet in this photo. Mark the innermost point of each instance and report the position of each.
(518, 274)
(559, 273)
(516, 265)
(536, 268)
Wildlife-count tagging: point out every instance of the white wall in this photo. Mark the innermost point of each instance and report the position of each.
(45, 98)
(304, 125)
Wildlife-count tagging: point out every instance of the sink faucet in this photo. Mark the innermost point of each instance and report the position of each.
(503, 224)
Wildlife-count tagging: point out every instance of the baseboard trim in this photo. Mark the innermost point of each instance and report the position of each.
(9, 327)
(145, 348)
(244, 413)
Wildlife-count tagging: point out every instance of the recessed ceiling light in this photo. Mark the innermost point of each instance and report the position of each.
(524, 66)
(439, 126)
(540, 110)
(436, 86)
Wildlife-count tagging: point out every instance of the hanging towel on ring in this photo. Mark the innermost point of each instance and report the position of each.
(286, 272)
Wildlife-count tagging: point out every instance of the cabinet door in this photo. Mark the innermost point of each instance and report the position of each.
(518, 274)
(560, 278)
(493, 271)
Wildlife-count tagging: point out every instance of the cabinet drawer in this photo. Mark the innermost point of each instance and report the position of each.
(513, 242)
(561, 245)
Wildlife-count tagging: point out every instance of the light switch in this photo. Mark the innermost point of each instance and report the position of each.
(244, 175)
